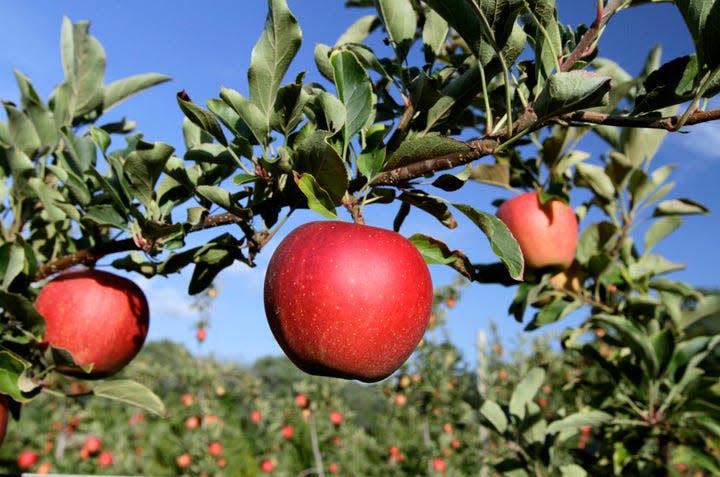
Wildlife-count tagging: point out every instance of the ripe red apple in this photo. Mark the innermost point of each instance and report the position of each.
(26, 459)
(336, 418)
(267, 466)
(215, 448)
(105, 459)
(183, 461)
(201, 334)
(287, 431)
(547, 233)
(93, 445)
(347, 300)
(4, 413)
(101, 319)
(302, 401)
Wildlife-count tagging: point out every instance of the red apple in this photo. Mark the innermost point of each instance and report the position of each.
(267, 466)
(183, 461)
(4, 412)
(101, 319)
(215, 448)
(201, 334)
(347, 300)
(287, 431)
(92, 444)
(336, 418)
(105, 459)
(547, 233)
(26, 459)
(302, 401)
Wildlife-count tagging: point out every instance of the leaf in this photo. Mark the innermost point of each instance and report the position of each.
(23, 134)
(319, 159)
(572, 470)
(548, 43)
(422, 147)
(432, 205)
(359, 30)
(130, 392)
(502, 242)
(271, 57)
(372, 157)
(251, 115)
(15, 264)
(12, 375)
(105, 214)
(597, 180)
(634, 338)
(495, 174)
(679, 207)
(201, 118)
(321, 55)
(144, 166)
(569, 91)
(492, 411)
(288, 107)
(435, 31)
(436, 252)
(573, 422)
(222, 197)
(660, 229)
(122, 89)
(702, 18)
(318, 199)
(84, 65)
(354, 91)
(553, 312)
(525, 392)
(21, 308)
(400, 21)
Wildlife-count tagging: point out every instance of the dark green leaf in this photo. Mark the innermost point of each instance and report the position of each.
(702, 18)
(634, 338)
(13, 380)
(271, 57)
(502, 242)
(525, 392)
(143, 168)
(21, 308)
(660, 229)
(435, 31)
(437, 252)
(354, 91)
(400, 22)
(317, 198)
(680, 207)
(492, 411)
(423, 147)
(319, 159)
(105, 214)
(432, 205)
(122, 89)
(201, 118)
(250, 114)
(565, 92)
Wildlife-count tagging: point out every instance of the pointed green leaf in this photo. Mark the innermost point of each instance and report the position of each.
(597, 180)
(435, 31)
(15, 264)
(318, 199)
(565, 92)
(702, 18)
(359, 30)
(502, 242)
(680, 207)
(400, 22)
(250, 114)
(22, 130)
(436, 252)
(423, 147)
(574, 422)
(272, 55)
(105, 215)
(525, 392)
(144, 166)
(633, 337)
(13, 380)
(492, 411)
(200, 117)
(87, 71)
(354, 91)
(122, 89)
(319, 159)
(660, 229)
(432, 205)
(130, 392)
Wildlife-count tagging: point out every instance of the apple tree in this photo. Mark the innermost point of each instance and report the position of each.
(497, 92)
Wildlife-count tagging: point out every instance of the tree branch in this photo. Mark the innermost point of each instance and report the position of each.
(586, 44)
(669, 123)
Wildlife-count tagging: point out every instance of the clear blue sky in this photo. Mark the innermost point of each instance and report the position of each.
(205, 47)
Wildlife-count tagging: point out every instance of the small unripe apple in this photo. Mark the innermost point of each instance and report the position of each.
(100, 318)
(547, 233)
(347, 300)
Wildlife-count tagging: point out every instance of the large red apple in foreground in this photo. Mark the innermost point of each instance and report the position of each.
(4, 413)
(347, 300)
(101, 319)
(547, 233)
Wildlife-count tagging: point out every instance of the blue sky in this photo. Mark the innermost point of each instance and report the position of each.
(204, 48)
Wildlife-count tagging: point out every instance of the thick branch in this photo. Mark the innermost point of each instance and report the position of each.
(669, 123)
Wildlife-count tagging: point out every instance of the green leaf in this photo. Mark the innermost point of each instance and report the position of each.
(553, 312)
(436, 252)
(23, 134)
(702, 18)
(492, 411)
(20, 308)
(572, 470)
(84, 65)
(222, 197)
(201, 117)
(659, 230)
(105, 214)
(680, 207)
(548, 43)
(359, 30)
(422, 147)
(573, 422)
(271, 57)
(318, 199)
(400, 21)
(597, 180)
(130, 392)
(321, 55)
(525, 392)
(432, 205)
(13, 380)
(15, 264)
(634, 338)
(318, 158)
(663, 343)
(143, 168)
(435, 31)
(354, 91)
(372, 157)
(502, 242)
(569, 91)
(250, 114)
(122, 89)
(288, 109)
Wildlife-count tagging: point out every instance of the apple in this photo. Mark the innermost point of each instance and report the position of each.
(92, 444)
(215, 448)
(105, 459)
(347, 300)
(302, 401)
(26, 459)
(183, 461)
(336, 418)
(438, 464)
(547, 233)
(267, 466)
(201, 334)
(255, 416)
(287, 431)
(100, 318)
(4, 413)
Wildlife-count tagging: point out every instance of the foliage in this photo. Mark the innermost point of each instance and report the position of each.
(641, 367)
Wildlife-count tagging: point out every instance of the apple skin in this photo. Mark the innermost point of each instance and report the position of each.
(100, 318)
(347, 300)
(4, 414)
(547, 233)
